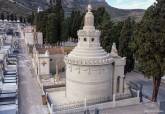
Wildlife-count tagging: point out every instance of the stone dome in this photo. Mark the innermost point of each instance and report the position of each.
(88, 49)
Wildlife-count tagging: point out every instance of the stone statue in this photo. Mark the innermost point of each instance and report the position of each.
(114, 51)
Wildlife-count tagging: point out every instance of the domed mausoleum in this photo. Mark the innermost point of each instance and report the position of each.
(94, 78)
(90, 71)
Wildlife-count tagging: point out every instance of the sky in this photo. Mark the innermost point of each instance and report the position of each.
(131, 4)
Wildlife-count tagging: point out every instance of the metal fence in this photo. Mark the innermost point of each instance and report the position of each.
(78, 104)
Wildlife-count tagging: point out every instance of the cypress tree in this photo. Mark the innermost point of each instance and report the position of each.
(126, 37)
(75, 23)
(15, 17)
(11, 17)
(51, 30)
(101, 17)
(106, 40)
(21, 19)
(149, 44)
(8, 17)
(2, 16)
(65, 29)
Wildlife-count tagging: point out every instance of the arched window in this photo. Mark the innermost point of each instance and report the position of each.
(118, 84)
(85, 39)
(92, 39)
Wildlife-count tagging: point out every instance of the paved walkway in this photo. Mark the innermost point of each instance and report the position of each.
(147, 85)
(30, 101)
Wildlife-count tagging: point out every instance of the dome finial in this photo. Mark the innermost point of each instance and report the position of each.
(89, 8)
(89, 19)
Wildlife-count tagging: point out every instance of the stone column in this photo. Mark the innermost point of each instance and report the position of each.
(114, 85)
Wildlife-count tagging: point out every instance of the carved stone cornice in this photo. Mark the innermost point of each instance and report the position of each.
(80, 61)
(89, 33)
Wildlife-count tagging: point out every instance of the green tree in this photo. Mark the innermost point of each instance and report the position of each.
(31, 18)
(104, 23)
(15, 17)
(75, 23)
(41, 23)
(149, 44)
(59, 17)
(65, 29)
(51, 30)
(115, 33)
(11, 17)
(105, 39)
(102, 17)
(2, 16)
(110, 30)
(21, 19)
(126, 37)
(8, 17)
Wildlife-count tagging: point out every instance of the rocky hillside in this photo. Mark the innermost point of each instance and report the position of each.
(116, 14)
(24, 7)
(11, 7)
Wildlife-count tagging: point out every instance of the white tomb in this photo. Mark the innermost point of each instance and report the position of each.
(89, 69)
(92, 75)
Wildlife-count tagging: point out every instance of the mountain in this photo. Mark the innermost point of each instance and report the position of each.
(9, 7)
(116, 14)
(25, 7)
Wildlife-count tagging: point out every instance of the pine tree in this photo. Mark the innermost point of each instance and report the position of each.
(126, 37)
(149, 44)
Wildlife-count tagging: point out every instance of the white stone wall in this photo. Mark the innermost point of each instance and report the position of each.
(44, 66)
(118, 83)
(56, 59)
(91, 82)
(39, 38)
(29, 38)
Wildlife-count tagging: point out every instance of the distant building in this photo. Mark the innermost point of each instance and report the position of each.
(45, 59)
(31, 36)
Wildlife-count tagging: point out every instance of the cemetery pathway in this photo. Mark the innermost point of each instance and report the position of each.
(30, 101)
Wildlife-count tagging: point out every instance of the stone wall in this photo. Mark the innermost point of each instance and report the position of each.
(29, 38)
(44, 66)
(56, 59)
(88, 81)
